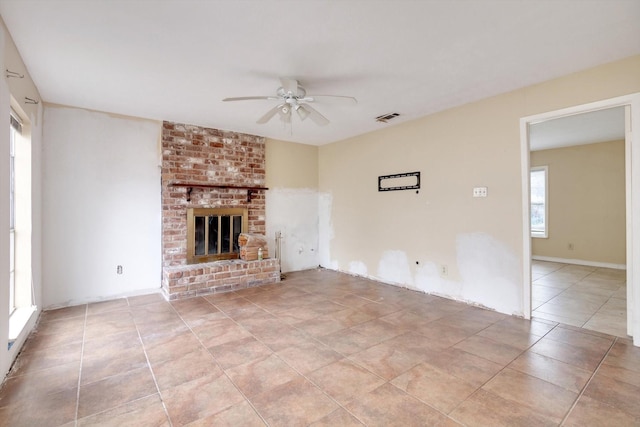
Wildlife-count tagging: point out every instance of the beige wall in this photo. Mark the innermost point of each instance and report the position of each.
(292, 202)
(410, 239)
(586, 203)
(291, 165)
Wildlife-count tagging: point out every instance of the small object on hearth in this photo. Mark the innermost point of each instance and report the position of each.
(251, 254)
(253, 247)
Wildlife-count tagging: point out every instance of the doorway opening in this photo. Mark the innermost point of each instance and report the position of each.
(573, 270)
(578, 229)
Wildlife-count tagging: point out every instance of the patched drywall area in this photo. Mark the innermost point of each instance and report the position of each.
(358, 268)
(393, 267)
(293, 213)
(325, 231)
(429, 279)
(294, 207)
(489, 272)
(485, 273)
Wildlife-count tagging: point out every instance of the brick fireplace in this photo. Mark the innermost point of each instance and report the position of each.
(204, 167)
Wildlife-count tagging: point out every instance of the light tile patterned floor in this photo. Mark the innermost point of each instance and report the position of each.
(588, 297)
(321, 349)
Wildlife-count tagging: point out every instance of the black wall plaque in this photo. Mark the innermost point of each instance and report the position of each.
(416, 186)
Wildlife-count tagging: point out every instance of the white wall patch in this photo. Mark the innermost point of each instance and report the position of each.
(358, 268)
(490, 273)
(394, 268)
(294, 213)
(429, 279)
(325, 230)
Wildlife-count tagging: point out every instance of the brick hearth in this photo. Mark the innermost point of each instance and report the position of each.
(197, 155)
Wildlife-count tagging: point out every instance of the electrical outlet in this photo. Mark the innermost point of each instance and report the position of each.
(119, 269)
(444, 270)
(570, 246)
(480, 192)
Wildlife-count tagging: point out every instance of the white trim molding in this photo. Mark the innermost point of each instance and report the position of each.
(580, 262)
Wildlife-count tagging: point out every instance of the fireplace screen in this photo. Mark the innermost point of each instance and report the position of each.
(212, 234)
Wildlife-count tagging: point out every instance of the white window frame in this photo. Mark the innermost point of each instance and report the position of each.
(541, 233)
(15, 127)
(22, 303)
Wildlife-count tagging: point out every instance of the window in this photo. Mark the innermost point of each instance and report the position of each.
(539, 202)
(21, 299)
(15, 130)
(212, 234)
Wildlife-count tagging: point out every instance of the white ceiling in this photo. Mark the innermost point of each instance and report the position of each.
(579, 129)
(177, 59)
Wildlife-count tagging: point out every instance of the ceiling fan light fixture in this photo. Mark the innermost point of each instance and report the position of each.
(292, 97)
(303, 113)
(284, 111)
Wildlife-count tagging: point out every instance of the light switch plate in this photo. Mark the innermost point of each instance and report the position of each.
(480, 192)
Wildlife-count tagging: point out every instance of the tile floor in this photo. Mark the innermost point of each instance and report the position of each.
(321, 349)
(588, 297)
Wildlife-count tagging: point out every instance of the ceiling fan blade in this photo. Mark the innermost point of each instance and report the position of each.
(314, 115)
(269, 115)
(250, 98)
(330, 98)
(289, 85)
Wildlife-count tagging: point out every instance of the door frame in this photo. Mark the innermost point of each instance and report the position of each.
(631, 103)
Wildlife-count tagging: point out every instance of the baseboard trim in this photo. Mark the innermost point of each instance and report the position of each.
(580, 262)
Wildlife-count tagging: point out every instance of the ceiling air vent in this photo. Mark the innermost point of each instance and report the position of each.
(386, 117)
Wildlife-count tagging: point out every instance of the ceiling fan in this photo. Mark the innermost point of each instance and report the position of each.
(293, 97)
